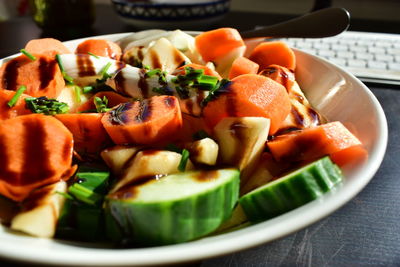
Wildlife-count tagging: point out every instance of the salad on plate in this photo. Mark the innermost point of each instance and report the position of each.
(160, 138)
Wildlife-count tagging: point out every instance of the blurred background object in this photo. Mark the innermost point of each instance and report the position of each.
(169, 14)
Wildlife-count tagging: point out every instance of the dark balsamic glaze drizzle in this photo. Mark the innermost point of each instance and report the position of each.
(9, 81)
(142, 83)
(47, 70)
(85, 65)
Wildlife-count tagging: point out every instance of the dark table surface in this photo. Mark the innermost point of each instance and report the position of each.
(366, 231)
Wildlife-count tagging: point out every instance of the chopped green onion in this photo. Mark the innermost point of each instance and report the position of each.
(152, 73)
(16, 96)
(93, 55)
(84, 194)
(184, 160)
(87, 89)
(46, 106)
(101, 104)
(29, 55)
(146, 67)
(77, 94)
(207, 82)
(218, 88)
(58, 59)
(103, 71)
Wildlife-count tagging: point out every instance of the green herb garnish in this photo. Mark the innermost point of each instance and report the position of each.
(101, 104)
(213, 93)
(66, 77)
(45, 105)
(29, 55)
(174, 148)
(66, 195)
(93, 55)
(184, 160)
(87, 89)
(103, 71)
(77, 90)
(16, 96)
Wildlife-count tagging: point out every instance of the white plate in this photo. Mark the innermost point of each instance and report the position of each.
(334, 92)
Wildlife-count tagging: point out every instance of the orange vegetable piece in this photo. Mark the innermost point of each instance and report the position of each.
(89, 134)
(35, 150)
(190, 126)
(42, 77)
(275, 52)
(113, 100)
(349, 156)
(217, 43)
(280, 74)
(207, 70)
(314, 143)
(147, 121)
(242, 65)
(18, 109)
(250, 95)
(46, 46)
(100, 47)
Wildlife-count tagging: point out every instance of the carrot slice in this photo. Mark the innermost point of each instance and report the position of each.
(280, 74)
(243, 65)
(313, 143)
(42, 76)
(190, 126)
(276, 52)
(350, 156)
(90, 137)
(46, 46)
(100, 47)
(207, 70)
(112, 97)
(35, 150)
(147, 121)
(250, 95)
(217, 43)
(18, 109)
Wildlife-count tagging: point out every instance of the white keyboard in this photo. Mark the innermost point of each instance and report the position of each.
(372, 57)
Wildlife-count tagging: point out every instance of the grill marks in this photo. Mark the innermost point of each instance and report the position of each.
(47, 69)
(85, 65)
(144, 113)
(10, 75)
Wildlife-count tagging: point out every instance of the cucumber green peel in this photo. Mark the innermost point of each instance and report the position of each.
(291, 191)
(174, 209)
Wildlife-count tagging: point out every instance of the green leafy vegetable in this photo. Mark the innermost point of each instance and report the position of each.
(93, 55)
(77, 90)
(45, 105)
(16, 96)
(29, 55)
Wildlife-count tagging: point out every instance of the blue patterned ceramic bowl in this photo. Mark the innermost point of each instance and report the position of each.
(182, 14)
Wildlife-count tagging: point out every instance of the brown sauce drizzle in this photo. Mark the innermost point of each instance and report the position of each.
(36, 198)
(129, 190)
(189, 105)
(316, 119)
(36, 168)
(140, 53)
(205, 176)
(142, 83)
(120, 83)
(155, 60)
(169, 102)
(118, 115)
(178, 58)
(298, 117)
(85, 65)
(47, 69)
(231, 108)
(237, 131)
(10, 75)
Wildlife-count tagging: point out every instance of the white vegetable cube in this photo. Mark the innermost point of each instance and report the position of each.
(204, 151)
(116, 157)
(41, 212)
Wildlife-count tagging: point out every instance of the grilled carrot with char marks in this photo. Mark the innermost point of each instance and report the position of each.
(250, 95)
(90, 137)
(35, 150)
(99, 47)
(46, 46)
(147, 121)
(42, 76)
(112, 97)
(7, 112)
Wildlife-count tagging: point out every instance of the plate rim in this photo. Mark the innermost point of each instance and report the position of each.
(200, 249)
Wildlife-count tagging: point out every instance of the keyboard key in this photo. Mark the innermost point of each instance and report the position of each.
(377, 65)
(358, 48)
(382, 43)
(393, 51)
(397, 58)
(386, 58)
(340, 47)
(376, 50)
(356, 63)
(394, 66)
(345, 54)
(321, 46)
(337, 61)
(365, 56)
(326, 53)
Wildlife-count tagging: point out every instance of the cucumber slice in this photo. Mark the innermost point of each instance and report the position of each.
(176, 208)
(292, 190)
